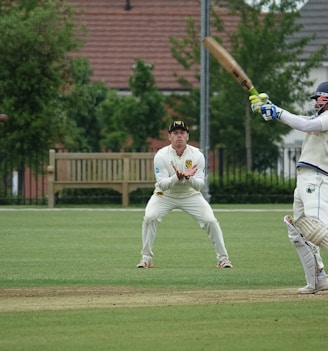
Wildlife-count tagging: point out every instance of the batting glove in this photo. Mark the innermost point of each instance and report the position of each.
(257, 101)
(271, 111)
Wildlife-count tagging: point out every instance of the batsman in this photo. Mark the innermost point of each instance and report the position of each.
(308, 228)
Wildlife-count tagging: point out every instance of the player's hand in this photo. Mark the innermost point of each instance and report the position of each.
(190, 172)
(179, 174)
(257, 101)
(271, 111)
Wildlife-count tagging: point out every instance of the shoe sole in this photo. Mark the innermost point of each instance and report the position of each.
(325, 288)
(145, 267)
(225, 266)
(307, 292)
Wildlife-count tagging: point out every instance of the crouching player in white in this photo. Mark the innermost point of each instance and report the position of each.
(179, 171)
(309, 229)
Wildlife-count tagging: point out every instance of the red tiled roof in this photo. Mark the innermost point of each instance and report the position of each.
(116, 37)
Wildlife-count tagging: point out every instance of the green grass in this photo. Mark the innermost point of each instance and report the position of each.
(258, 326)
(60, 249)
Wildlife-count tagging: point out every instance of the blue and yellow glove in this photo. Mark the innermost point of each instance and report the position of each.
(271, 111)
(257, 101)
(261, 104)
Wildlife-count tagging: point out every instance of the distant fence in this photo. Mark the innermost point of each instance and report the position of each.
(25, 182)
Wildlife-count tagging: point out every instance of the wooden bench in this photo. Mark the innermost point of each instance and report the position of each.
(123, 172)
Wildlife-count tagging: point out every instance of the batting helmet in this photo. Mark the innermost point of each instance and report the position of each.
(321, 98)
(322, 90)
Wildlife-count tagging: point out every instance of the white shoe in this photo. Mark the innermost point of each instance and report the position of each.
(322, 284)
(224, 263)
(145, 263)
(306, 290)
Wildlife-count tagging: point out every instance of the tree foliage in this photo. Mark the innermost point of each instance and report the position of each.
(262, 44)
(81, 104)
(36, 37)
(131, 120)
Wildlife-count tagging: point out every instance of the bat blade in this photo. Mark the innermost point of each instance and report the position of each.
(229, 64)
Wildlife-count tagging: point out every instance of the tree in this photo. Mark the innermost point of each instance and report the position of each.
(131, 120)
(36, 37)
(187, 52)
(82, 101)
(263, 46)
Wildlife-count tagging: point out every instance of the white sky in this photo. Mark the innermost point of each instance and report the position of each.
(277, 1)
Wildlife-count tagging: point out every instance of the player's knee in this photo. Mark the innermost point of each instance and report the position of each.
(295, 240)
(294, 234)
(151, 215)
(295, 237)
(150, 219)
(208, 223)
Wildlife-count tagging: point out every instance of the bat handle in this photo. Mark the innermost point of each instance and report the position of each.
(253, 91)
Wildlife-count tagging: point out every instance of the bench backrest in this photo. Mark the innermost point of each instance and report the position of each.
(102, 167)
(123, 172)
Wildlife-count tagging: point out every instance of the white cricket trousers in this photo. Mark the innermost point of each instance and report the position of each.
(196, 206)
(311, 199)
(311, 195)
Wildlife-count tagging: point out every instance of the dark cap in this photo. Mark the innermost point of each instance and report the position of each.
(178, 125)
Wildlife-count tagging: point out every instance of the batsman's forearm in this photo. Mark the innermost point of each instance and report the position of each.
(301, 123)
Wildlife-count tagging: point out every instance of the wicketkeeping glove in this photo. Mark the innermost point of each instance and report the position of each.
(257, 101)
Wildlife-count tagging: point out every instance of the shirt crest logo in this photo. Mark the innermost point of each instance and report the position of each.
(310, 188)
(188, 163)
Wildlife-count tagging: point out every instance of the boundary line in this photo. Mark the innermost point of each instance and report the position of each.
(7, 209)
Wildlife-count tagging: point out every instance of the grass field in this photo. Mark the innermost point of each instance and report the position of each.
(68, 282)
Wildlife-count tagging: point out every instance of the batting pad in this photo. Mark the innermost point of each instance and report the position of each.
(304, 251)
(314, 230)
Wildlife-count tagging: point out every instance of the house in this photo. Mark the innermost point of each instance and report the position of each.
(313, 19)
(122, 30)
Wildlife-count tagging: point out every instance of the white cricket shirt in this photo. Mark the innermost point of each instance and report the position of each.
(167, 181)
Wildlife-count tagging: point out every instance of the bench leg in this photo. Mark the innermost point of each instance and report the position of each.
(125, 195)
(51, 199)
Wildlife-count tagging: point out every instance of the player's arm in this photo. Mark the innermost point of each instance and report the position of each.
(197, 180)
(302, 123)
(165, 179)
(269, 112)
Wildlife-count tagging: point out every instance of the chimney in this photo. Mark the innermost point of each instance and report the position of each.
(127, 6)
